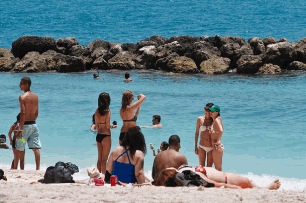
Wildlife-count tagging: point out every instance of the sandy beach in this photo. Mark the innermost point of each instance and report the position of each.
(18, 188)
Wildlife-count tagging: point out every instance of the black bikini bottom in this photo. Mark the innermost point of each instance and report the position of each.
(122, 134)
(100, 137)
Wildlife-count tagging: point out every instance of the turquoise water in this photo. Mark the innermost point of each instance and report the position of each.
(263, 117)
(133, 21)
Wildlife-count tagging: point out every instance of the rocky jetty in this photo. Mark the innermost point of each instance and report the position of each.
(179, 54)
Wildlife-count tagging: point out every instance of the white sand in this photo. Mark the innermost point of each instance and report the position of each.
(19, 189)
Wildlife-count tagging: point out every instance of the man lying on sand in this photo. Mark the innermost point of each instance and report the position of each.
(208, 177)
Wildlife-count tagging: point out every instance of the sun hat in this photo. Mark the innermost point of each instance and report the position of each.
(214, 108)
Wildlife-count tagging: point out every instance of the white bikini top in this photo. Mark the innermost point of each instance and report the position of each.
(204, 127)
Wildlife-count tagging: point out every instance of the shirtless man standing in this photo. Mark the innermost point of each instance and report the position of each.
(169, 158)
(28, 115)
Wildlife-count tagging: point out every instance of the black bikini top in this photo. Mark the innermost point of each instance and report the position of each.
(133, 119)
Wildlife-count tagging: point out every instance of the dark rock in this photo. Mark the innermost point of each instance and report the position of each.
(269, 69)
(269, 40)
(114, 49)
(299, 53)
(7, 60)
(218, 41)
(296, 65)
(283, 40)
(155, 40)
(279, 53)
(146, 58)
(63, 45)
(202, 51)
(182, 64)
(133, 48)
(170, 47)
(26, 44)
(249, 64)
(100, 64)
(123, 61)
(257, 45)
(100, 51)
(162, 59)
(98, 43)
(183, 44)
(67, 63)
(216, 65)
(78, 50)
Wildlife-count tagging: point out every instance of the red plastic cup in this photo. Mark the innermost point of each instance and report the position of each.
(113, 180)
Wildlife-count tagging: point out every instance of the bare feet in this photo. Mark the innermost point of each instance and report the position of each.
(275, 185)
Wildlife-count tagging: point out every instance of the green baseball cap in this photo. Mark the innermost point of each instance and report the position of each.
(215, 108)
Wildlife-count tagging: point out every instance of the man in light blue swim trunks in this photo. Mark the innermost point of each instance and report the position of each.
(28, 114)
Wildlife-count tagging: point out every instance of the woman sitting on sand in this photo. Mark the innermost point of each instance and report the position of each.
(209, 177)
(127, 160)
(127, 111)
(163, 146)
(203, 128)
(103, 138)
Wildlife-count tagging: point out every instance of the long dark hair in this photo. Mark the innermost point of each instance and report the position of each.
(135, 140)
(103, 103)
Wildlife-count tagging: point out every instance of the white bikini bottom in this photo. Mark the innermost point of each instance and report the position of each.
(207, 149)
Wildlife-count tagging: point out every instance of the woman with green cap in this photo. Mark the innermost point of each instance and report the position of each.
(216, 134)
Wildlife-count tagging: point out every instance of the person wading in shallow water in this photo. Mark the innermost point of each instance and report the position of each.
(28, 128)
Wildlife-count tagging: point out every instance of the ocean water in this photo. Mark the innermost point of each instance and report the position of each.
(133, 21)
(263, 117)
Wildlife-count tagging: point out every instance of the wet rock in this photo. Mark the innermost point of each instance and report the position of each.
(26, 44)
(67, 63)
(100, 51)
(299, 53)
(182, 64)
(216, 65)
(249, 64)
(147, 57)
(257, 45)
(269, 69)
(296, 65)
(162, 59)
(63, 45)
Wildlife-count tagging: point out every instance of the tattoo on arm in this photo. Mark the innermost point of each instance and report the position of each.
(142, 163)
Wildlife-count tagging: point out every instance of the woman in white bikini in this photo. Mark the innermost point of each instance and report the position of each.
(204, 126)
(216, 134)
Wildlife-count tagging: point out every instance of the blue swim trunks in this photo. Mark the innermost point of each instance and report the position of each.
(31, 136)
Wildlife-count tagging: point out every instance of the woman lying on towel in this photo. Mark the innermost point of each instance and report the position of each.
(207, 177)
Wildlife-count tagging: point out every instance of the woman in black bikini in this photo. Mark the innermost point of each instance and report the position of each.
(104, 142)
(127, 111)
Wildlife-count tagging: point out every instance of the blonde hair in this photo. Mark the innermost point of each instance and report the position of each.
(126, 97)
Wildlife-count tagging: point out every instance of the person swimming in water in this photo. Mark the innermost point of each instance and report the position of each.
(127, 77)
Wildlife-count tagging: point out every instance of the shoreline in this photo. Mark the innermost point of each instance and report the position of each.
(18, 187)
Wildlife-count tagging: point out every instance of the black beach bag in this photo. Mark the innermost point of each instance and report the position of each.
(60, 173)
